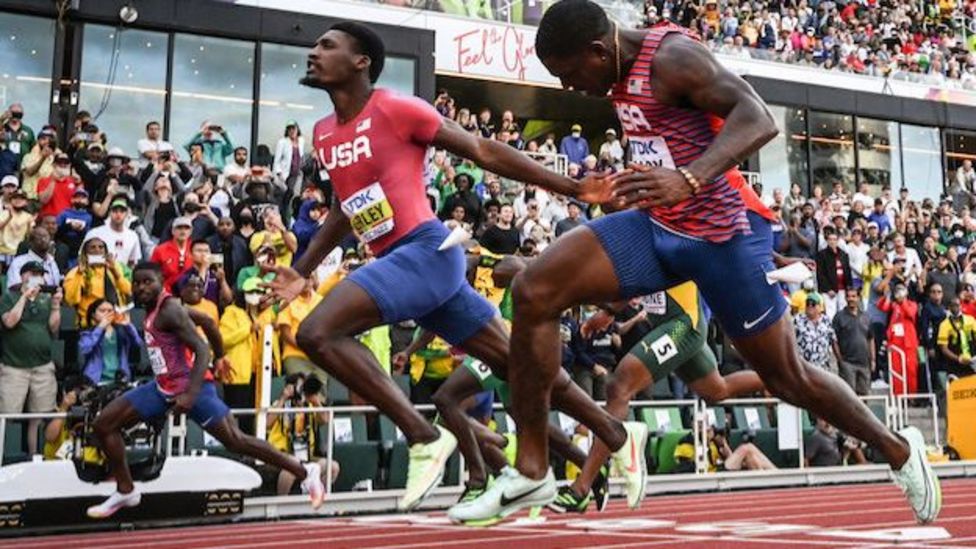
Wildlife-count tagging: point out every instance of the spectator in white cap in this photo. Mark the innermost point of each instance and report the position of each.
(8, 185)
(173, 256)
(15, 220)
(874, 234)
(150, 146)
(611, 151)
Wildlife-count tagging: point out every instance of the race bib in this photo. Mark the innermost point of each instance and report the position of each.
(651, 151)
(656, 303)
(664, 349)
(157, 361)
(898, 330)
(480, 370)
(369, 212)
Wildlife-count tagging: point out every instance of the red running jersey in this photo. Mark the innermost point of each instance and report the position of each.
(170, 358)
(376, 163)
(667, 136)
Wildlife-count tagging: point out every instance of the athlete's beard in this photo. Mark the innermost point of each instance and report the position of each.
(311, 82)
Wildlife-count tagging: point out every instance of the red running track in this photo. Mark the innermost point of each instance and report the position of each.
(855, 516)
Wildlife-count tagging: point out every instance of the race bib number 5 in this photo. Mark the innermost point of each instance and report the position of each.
(369, 212)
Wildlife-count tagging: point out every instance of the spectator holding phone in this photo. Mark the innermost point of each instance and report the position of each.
(30, 319)
(15, 222)
(38, 162)
(210, 272)
(275, 235)
(231, 246)
(173, 256)
(263, 268)
(236, 172)
(215, 144)
(150, 146)
(119, 238)
(160, 205)
(104, 349)
(97, 277)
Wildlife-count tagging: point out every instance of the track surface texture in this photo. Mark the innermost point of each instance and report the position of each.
(854, 516)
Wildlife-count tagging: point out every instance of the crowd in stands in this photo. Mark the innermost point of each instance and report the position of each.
(78, 215)
(927, 41)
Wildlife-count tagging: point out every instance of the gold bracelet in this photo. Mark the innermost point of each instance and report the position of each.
(691, 180)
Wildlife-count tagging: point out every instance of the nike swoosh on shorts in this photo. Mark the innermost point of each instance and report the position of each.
(749, 325)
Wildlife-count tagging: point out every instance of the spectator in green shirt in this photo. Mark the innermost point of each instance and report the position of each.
(30, 317)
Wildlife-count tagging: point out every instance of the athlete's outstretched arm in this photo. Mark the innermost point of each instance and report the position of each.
(686, 74)
(506, 161)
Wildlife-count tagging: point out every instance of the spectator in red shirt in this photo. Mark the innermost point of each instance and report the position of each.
(174, 254)
(902, 318)
(55, 191)
(968, 300)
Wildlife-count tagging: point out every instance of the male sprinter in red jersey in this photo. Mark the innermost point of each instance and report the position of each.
(171, 338)
(374, 148)
(671, 97)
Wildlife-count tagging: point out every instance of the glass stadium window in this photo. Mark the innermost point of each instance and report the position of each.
(783, 161)
(123, 82)
(832, 150)
(878, 154)
(212, 81)
(26, 58)
(282, 99)
(959, 146)
(922, 155)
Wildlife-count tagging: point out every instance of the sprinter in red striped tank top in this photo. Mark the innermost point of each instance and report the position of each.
(688, 122)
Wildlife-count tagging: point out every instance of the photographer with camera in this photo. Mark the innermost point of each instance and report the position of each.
(297, 433)
(59, 433)
(31, 316)
(215, 144)
(902, 314)
(827, 447)
(97, 277)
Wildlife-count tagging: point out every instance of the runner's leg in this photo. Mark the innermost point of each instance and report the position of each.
(460, 385)
(326, 336)
(229, 434)
(118, 415)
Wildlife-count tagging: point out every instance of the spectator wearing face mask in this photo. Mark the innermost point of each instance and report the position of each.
(19, 136)
(55, 191)
(902, 339)
(98, 277)
(575, 146)
(30, 320)
(957, 341)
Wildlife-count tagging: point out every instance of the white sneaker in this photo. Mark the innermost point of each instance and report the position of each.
(312, 485)
(629, 460)
(426, 468)
(917, 480)
(510, 492)
(114, 503)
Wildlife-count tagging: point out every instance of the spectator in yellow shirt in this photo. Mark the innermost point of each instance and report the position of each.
(97, 276)
(240, 340)
(294, 361)
(275, 235)
(297, 433)
(15, 223)
(957, 341)
(190, 290)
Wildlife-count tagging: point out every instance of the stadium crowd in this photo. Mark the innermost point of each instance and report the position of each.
(78, 215)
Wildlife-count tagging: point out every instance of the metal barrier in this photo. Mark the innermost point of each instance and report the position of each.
(558, 163)
(894, 414)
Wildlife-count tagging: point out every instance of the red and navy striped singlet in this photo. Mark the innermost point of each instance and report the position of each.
(170, 358)
(667, 136)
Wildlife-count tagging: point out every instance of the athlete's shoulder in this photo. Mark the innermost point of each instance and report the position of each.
(323, 126)
(394, 104)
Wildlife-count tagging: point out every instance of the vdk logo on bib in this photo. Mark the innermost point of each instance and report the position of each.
(651, 151)
(369, 212)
